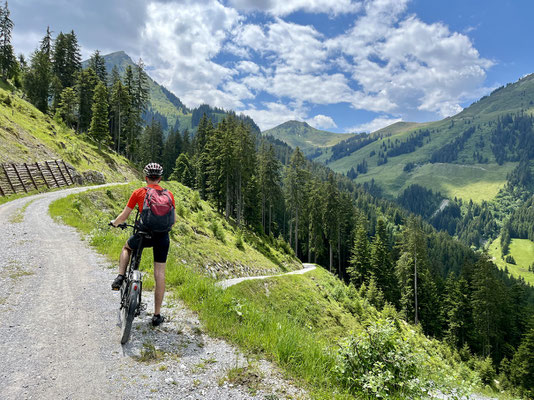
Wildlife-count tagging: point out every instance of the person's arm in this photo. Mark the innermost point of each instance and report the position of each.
(123, 216)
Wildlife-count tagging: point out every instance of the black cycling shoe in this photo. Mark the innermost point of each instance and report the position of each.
(117, 283)
(157, 319)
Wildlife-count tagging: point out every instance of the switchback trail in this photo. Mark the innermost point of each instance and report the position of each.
(231, 282)
(59, 332)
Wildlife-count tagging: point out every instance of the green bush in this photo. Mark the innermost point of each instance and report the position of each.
(379, 363)
(486, 371)
(239, 241)
(218, 231)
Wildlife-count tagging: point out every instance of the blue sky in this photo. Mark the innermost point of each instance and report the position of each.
(340, 65)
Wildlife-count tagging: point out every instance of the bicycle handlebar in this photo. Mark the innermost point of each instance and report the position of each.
(122, 226)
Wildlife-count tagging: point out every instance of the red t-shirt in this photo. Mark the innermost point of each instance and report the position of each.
(138, 197)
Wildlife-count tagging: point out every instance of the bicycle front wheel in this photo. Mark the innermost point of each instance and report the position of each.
(128, 313)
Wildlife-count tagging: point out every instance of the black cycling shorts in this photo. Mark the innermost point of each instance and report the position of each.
(159, 241)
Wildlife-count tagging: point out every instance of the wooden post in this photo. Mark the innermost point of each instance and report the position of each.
(8, 180)
(20, 179)
(52, 172)
(62, 174)
(31, 177)
(68, 172)
(41, 171)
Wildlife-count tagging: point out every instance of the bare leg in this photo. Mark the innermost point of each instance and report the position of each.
(124, 259)
(159, 277)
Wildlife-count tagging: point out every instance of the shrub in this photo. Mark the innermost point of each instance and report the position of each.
(218, 231)
(239, 241)
(380, 363)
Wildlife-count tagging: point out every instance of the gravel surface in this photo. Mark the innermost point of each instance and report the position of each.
(59, 327)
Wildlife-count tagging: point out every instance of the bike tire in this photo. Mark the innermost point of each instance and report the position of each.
(128, 314)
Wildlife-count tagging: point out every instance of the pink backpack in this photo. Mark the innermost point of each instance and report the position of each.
(158, 211)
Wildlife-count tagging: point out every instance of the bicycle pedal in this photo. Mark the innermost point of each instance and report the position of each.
(142, 306)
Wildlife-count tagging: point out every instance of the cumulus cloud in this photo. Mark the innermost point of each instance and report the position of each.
(286, 7)
(374, 125)
(181, 39)
(322, 122)
(409, 66)
(273, 114)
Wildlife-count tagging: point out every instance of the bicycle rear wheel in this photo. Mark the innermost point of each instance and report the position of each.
(128, 312)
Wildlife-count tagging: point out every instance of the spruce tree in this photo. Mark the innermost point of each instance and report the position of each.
(171, 150)
(296, 177)
(46, 43)
(37, 81)
(269, 184)
(67, 107)
(98, 64)
(331, 219)
(85, 87)
(381, 265)
(99, 129)
(8, 61)
(120, 102)
(182, 171)
(359, 262)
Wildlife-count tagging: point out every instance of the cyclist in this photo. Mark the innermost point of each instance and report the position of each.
(159, 240)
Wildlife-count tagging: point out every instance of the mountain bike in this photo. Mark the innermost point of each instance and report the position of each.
(132, 285)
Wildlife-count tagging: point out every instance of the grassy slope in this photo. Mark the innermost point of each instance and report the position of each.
(463, 182)
(27, 135)
(307, 138)
(522, 250)
(295, 321)
(194, 241)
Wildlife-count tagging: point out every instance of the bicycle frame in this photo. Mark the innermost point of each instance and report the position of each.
(133, 277)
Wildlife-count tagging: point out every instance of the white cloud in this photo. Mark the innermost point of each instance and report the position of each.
(374, 125)
(286, 7)
(407, 66)
(180, 39)
(274, 114)
(322, 122)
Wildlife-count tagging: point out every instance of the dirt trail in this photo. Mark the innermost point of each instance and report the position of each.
(231, 282)
(60, 335)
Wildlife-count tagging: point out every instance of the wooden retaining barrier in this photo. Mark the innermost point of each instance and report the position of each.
(20, 178)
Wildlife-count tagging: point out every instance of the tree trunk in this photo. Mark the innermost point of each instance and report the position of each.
(296, 232)
(331, 255)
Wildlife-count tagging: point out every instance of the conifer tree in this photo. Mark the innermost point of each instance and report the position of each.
(98, 64)
(151, 143)
(359, 265)
(99, 129)
(182, 171)
(269, 184)
(331, 219)
(85, 87)
(37, 81)
(204, 133)
(120, 102)
(67, 107)
(8, 61)
(315, 209)
(381, 265)
(171, 150)
(46, 44)
(457, 311)
(73, 62)
(295, 180)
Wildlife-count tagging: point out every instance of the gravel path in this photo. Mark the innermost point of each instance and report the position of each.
(60, 335)
(231, 282)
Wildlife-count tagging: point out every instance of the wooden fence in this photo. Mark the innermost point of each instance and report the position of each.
(19, 178)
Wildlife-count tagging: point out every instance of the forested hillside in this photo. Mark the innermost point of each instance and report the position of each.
(310, 140)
